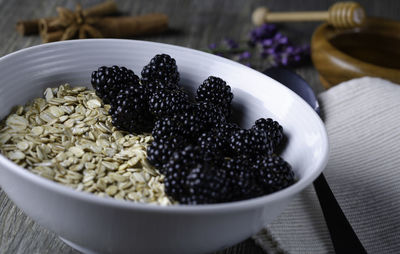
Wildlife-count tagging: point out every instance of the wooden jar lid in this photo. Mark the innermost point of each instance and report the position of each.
(344, 54)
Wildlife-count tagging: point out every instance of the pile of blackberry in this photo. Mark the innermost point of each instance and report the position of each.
(204, 156)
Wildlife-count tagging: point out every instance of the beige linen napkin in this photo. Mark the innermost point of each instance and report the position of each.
(362, 118)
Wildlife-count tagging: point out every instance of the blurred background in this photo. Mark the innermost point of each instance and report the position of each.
(192, 23)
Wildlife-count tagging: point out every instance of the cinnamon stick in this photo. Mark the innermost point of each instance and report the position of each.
(27, 27)
(45, 26)
(127, 27)
(107, 8)
(52, 36)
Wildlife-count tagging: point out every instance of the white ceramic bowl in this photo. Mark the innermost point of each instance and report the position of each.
(98, 225)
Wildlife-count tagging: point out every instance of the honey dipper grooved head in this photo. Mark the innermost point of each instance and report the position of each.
(346, 15)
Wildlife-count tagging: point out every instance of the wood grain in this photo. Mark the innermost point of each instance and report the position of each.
(371, 50)
(194, 24)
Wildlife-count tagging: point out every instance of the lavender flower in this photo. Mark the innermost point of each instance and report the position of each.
(231, 43)
(269, 42)
(289, 49)
(262, 32)
(244, 56)
(281, 39)
(276, 46)
(212, 46)
(292, 56)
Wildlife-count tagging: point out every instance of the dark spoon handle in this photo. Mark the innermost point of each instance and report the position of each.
(343, 237)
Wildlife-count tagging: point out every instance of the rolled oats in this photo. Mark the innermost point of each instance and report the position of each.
(68, 137)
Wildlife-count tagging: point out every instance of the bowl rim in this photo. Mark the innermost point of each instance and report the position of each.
(181, 208)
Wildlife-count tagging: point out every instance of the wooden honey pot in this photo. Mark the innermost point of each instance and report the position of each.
(349, 45)
(370, 50)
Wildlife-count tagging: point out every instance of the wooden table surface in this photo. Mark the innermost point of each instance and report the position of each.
(194, 24)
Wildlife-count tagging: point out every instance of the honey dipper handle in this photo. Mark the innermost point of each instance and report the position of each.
(262, 14)
(341, 15)
(297, 16)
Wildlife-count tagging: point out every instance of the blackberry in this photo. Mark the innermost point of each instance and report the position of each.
(226, 129)
(160, 151)
(166, 127)
(191, 125)
(208, 113)
(249, 142)
(216, 91)
(272, 129)
(177, 169)
(168, 102)
(108, 81)
(201, 117)
(129, 110)
(212, 146)
(273, 173)
(242, 179)
(162, 67)
(154, 85)
(174, 182)
(206, 184)
(226, 110)
(215, 143)
(191, 180)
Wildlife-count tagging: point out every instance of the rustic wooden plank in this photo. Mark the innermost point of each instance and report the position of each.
(195, 24)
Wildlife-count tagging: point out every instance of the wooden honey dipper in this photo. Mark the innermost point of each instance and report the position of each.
(339, 15)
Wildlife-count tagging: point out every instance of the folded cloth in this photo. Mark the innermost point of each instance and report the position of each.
(362, 118)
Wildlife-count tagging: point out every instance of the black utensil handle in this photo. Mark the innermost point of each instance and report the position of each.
(342, 234)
